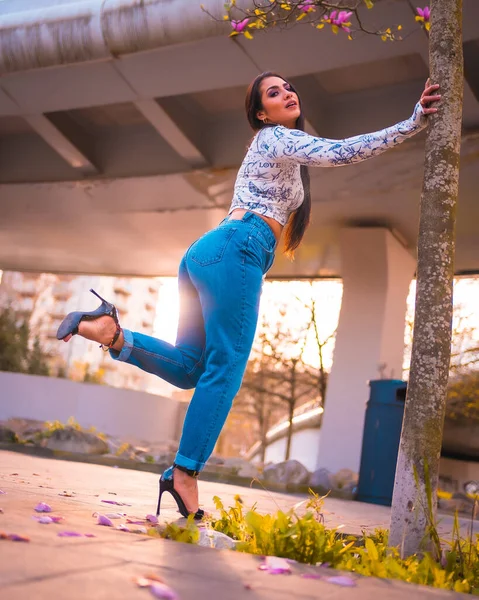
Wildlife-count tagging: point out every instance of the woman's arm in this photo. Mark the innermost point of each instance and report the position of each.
(291, 145)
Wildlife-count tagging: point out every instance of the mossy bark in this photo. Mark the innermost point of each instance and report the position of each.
(421, 437)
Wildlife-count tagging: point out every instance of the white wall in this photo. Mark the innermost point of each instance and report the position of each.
(111, 410)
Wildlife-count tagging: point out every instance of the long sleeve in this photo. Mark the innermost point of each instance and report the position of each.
(294, 146)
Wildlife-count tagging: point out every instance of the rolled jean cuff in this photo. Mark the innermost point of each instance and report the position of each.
(188, 463)
(125, 352)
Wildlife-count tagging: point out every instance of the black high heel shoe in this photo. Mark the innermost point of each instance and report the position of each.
(166, 485)
(70, 323)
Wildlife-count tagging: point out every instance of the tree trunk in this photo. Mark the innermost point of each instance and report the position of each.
(264, 443)
(263, 430)
(290, 434)
(421, 437)
(292, 404)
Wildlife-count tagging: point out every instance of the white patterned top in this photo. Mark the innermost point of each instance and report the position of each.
(269, 180)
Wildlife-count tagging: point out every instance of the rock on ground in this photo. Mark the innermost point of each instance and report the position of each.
(290, 471)
(321, 478)
(344, 480)
(7, 435)
(70, 439)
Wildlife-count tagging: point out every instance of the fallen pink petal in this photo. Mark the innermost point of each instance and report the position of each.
(135, 521)
(13, 537)
(2, 492)
(69, 534)
(115, 502)
(138, 529)
(56, 519)
(161, 590)
(275, 565)
(343, 580)
(103, 520)
(152, 519)
(43, 507)
(44, 520)
(122, 527)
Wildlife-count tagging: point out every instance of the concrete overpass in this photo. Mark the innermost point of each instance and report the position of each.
(122, 126)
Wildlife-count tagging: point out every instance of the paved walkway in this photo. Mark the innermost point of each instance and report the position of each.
(104, 567)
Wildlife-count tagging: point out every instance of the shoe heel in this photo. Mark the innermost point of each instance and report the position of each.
(109, 307)
(159, 498)
(98, 296)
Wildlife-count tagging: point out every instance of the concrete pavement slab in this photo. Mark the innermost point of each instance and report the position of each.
(105, 566)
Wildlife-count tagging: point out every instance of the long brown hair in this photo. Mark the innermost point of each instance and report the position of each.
(299, 220)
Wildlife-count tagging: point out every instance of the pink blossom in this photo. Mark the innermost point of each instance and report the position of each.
(306, 6)
(339, 20)
(240, 26)
(342, 17)
(425, 13)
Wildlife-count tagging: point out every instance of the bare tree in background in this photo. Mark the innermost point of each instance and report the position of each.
(321, 344)
(254, 400)
(278, 379)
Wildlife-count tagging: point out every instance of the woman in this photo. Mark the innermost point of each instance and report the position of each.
(220, 276)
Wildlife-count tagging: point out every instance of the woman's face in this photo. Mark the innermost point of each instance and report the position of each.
(280, 103)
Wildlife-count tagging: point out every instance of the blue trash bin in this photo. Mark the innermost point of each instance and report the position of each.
(381, 436)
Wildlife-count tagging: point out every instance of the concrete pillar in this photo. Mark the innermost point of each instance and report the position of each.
(377, 271)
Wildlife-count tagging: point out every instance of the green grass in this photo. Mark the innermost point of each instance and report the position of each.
(452, 565)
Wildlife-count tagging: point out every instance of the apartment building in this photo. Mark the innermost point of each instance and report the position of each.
(45, 299)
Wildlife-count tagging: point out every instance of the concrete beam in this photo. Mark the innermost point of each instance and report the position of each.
(100, 29)
(170, 131)
(60, 143)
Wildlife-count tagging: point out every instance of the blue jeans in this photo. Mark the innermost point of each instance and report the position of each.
(220, 281)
